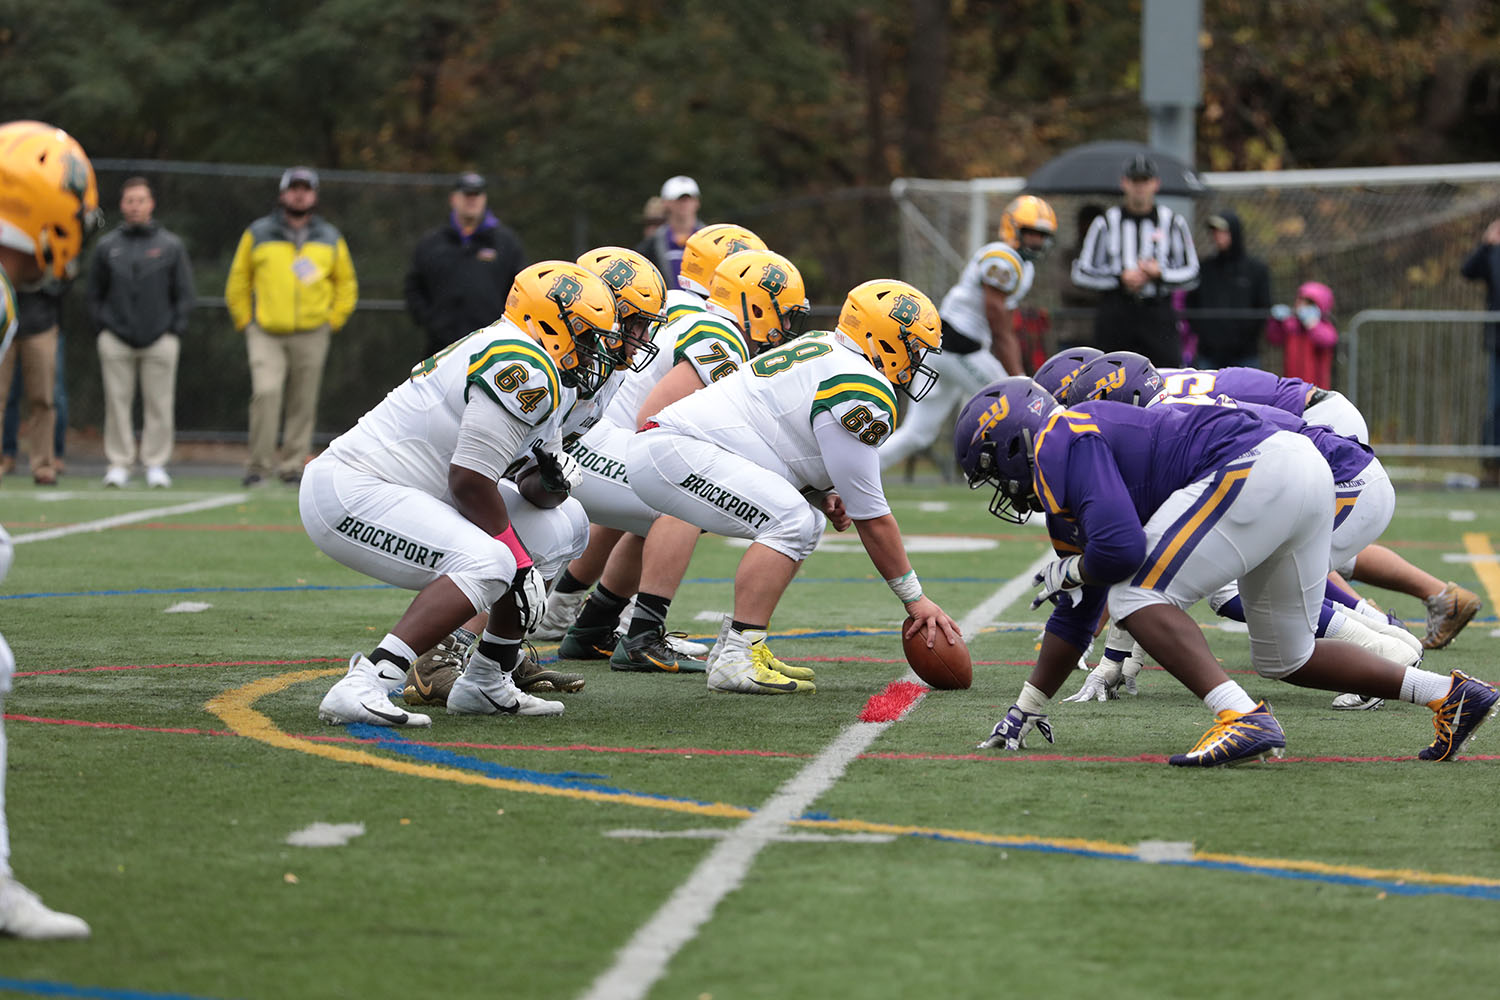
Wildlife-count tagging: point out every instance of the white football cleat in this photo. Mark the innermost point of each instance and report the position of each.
(718, 646)
(1356, 629)
(562, 612)
(683, 646)
(739, 670)
(494, 692)
(364, 695)
(23, 915)
(1351, 702)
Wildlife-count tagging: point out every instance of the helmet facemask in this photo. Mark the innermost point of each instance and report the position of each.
(917, 379)
(1034, 253)
(588, 364)
(630, 346)
(1014, 500)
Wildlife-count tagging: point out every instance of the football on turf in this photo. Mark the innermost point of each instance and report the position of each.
(945, 667)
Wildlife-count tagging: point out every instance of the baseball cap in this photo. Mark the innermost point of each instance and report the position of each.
(469, 183)
(680, 186)
(1217, 222)
(1140, 167)
(299, 175)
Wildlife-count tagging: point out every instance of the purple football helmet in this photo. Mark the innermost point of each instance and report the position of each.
(1120, 377)
(1058, 371)
(995, 442)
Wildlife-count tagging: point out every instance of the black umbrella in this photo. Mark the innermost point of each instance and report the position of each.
(1096, 168)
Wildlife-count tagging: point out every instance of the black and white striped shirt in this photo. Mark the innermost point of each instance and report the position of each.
(1117, 242)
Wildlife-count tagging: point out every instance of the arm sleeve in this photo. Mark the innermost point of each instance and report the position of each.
(488, 437)
(237, 293)
(1115, 542)
(414, 289)
(98, 285)
(1474, 267)
(1096, 266)
(853, 466)
(183, 292)
(1180, 270)
(345, 287)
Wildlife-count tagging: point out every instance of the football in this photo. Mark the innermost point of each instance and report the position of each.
(945, 667)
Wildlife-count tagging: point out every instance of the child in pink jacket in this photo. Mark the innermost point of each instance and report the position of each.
(1307, 334)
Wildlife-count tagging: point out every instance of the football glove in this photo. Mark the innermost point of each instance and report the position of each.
(1059, 581)
(1102, 683)
(1010, 732)
(529, 592)
(560, 473)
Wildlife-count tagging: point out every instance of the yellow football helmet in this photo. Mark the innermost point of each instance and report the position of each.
(896, 326)
(1029, 214)
(570, 311)
(49, 200)
(640, 302)
(706, 249)
(762, 292)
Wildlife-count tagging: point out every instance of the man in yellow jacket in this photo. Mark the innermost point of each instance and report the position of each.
(291, 286)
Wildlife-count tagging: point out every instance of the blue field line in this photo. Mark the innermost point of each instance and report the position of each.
(148, 591)
(44, 988)
(387, 740)
(398, 743)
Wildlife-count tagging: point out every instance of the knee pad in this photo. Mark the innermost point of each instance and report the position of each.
(485, 576)
(794, 534)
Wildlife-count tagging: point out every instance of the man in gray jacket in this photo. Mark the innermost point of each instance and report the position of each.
(140, 293)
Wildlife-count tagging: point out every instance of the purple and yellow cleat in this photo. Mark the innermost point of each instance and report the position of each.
(1467, 705)
(1236, 738)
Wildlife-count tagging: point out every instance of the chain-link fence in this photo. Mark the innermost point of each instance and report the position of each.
(837, 240)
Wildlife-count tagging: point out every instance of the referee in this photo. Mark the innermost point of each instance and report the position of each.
(1137, 254)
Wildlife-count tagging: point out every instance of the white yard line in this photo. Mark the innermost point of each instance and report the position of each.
(643, 961)
(105, 523)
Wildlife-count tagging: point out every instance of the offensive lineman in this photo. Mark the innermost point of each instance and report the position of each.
(979, 339)
(769, 451)
(49, 207)
(413, 495)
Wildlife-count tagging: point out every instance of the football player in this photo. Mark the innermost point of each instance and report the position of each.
(1364, 504)
(49, 207)
(414, 494)
(769, 452)
(1058, 371)
(699, 347)
(1150, 511)
(979, 340)
(1449, 607)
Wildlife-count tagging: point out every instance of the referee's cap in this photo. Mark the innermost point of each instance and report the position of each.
(1140, 167)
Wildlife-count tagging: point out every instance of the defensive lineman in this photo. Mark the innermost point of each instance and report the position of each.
(767, 452)
(413, 495)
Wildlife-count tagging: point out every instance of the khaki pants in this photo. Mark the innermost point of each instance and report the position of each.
(289, 366)
(155, 368)
(37, 354)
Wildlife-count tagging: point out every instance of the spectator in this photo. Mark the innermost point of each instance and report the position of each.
(462, 271)
(1137, 254)
(1075, 330)
(652, 216)
(34, 352)
(663, 247)
(140, 295)
(291, 286)
(1484, 265)
(1306, 331)
(1230, 279)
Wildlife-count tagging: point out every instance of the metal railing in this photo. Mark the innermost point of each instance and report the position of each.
(1424, 392)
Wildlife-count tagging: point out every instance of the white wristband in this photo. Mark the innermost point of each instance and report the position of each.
(907, 587)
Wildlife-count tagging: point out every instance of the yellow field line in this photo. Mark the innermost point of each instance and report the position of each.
(235, 708)
(1487, 569)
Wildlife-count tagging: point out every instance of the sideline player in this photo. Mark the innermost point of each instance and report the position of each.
(770, 451)
(413, 495)
(49, 207)
(979, 338)
(691, 340)
(1152, 510)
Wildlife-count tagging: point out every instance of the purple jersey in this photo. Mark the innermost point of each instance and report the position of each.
(1243, 385)
(1102, 470)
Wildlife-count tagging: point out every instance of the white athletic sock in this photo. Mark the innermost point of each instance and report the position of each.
(1032, 700)
(394, 645)
(1423, 687)
(1371, 612)
(1229, 696)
